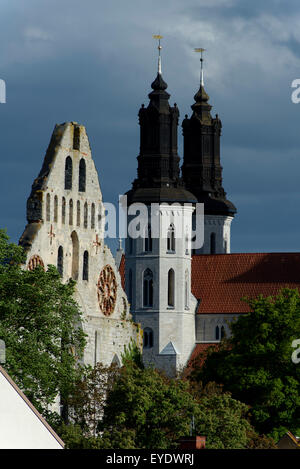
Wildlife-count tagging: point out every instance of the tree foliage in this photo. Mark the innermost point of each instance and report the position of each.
(255, 363)
(40, 325)
(136, 408)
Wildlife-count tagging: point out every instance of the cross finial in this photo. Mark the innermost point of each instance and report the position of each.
(158, 37)
(201, 50)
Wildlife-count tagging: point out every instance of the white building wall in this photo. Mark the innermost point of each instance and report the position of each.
(20, 428)
(220, 225)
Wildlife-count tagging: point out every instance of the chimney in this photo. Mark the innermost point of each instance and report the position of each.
(192, 442)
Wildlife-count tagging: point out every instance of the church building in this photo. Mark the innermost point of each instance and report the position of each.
(65, 215)
(186, 298)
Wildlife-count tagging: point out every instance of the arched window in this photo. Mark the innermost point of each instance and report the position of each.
(85, 270)
(186, 290)
(75, 255)
(171, 238)
(55, 208)
(71, 212)
(148, 338)
(60, 260)
(148, 239)
(93, 216)
(63, 210)
(85, 216)
(82, 175)
(222, 332)
(171, 288)
(78, 213)
(213, 243)
(48, 207)
(217, 333)
(186, 242)
(148, 288)
(68, 173)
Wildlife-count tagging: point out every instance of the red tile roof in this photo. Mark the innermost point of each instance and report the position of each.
(221, 280)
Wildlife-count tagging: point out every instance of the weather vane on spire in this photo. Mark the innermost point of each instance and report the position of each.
(201, 50)
(159, 37)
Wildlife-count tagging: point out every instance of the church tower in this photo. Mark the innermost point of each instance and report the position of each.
(158, 260)
(202, 171)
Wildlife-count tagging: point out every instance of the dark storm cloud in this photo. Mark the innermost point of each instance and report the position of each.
(93, 62)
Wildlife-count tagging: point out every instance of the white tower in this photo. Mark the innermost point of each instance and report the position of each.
(158, 261)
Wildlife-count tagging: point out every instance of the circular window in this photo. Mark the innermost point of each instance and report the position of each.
(107, 290)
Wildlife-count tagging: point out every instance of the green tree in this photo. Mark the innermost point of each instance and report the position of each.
(255, 363)
(40, 325)
(136, 408)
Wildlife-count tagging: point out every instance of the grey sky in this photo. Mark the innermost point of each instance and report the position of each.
(93, 62)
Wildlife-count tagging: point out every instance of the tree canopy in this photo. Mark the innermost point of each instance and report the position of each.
(40, 325)
(255, 363)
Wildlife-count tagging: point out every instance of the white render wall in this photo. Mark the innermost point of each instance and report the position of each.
(20, 428)
(220, 225)
(114, 331)
(206, 325)
(169, 324)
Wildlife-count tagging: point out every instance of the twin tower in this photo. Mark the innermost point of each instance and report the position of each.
(158, 269)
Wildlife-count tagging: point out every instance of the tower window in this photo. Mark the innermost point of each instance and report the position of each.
(85, 271)
(186, 290)
(213, 243)
(71, 212)
(48, 207)
(171, 238)
(82, 175)
(148, 338)
(60, 260)
(78, 213)
(75, 255)
(63, 210)
(171, 288)
(217, 333)
(148, 288)
(93, 216)
(55, 208)
(68, 173)
(148, 239)
(85, 221)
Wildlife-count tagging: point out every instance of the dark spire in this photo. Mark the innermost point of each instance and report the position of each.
(158, 176)
(201, 169)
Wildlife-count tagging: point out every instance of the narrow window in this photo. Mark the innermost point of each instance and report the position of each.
(68, 173)
(213, 243)
(171, 288)
(82, 175)
(93, 216)
(63, 210)
(85, 271)
(217, 333)
(171, 238)
(85, 222)
(186, 289)
(75, 255)
(148, 239)
(148, 338)
(222, 332)
(48, 207)
(55, 208)
(60, 261)
(148, 288)
(71, 212)
(78, 213)
(130, 241)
